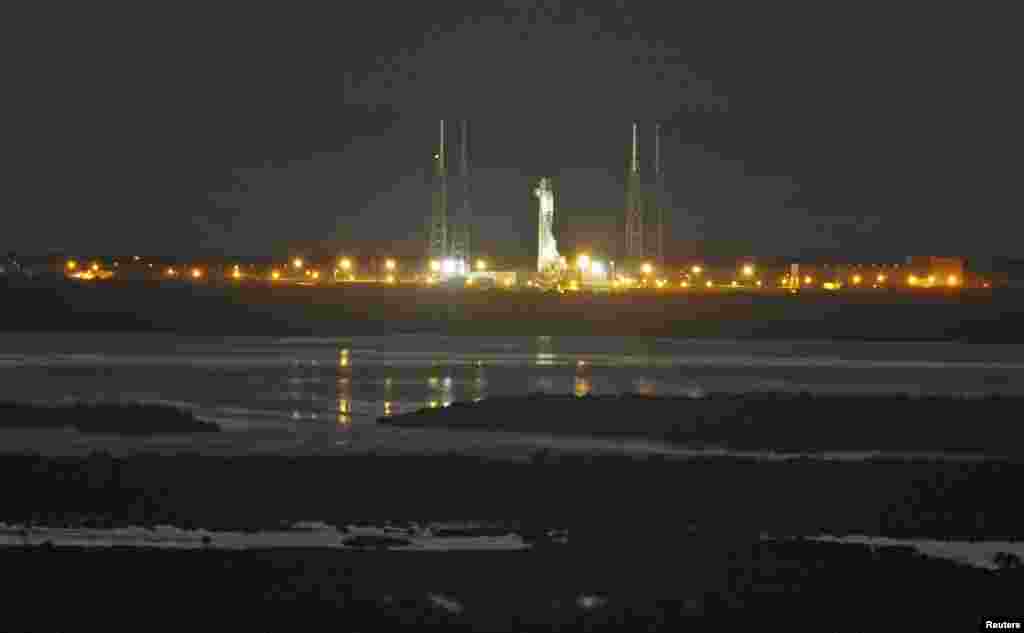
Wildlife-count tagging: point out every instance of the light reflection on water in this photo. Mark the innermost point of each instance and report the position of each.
(354, 381)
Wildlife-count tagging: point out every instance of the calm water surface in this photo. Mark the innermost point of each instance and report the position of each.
(257, 382)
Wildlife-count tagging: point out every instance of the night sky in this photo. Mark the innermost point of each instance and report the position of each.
(845, 130)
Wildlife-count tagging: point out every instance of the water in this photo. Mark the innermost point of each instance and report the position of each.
(335, 389)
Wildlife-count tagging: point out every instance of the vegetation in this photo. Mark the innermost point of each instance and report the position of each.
(259, 309)
(755, 421)
(122, 419)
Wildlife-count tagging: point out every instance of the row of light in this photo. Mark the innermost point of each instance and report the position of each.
(583, 262)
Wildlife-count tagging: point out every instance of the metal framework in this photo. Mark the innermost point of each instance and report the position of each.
(658, 201)
(438, 244)
(459, 230)
(634, 209)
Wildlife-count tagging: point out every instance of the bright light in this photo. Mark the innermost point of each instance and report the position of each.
(481, 265)
(508, 283)
(912, 280)
(390, 279)
(196, 273)
(647, 268)
(748, 270)
(856, 279)
(684, 284)
(597, 267)
(708, 283)
(448, 266)
(469, 282)
(696, 270)
(95, 267)
(435, 265)
(758, 283)
(880, 279)
(573, 285)
(171, 272)
(734, 283)
(389, 264)
(931, 280)
(952, 280)
(72, 264)
(237, 274)
(316, 274)
(660, 283)
(807, 279)
(275, 275)
(583, 262)
(345, 263)
(297, 262)
(830, 286)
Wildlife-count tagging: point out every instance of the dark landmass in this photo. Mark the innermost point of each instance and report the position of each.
(783, 422)
(800, 585)
(350, 309)
(656, 540)
(604, 500)
(122, 419)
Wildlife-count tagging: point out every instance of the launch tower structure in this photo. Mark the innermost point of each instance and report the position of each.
(634, 208)
(459, 231)
(450, 232)
(438, 248)
(658, 201)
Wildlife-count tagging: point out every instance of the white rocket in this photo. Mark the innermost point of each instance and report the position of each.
(547, 249)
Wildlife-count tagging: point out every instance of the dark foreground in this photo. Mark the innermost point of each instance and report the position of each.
(798, 586)
(782, 422)
(659, 540)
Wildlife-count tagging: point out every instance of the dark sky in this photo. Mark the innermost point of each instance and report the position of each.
(863, 132)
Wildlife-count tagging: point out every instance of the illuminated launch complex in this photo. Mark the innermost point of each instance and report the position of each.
(450, 232)
(640, 248)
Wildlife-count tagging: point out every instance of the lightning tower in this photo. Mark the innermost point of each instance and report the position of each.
(634, 209)
(658, 201)
(439, 245)
(460, 229)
